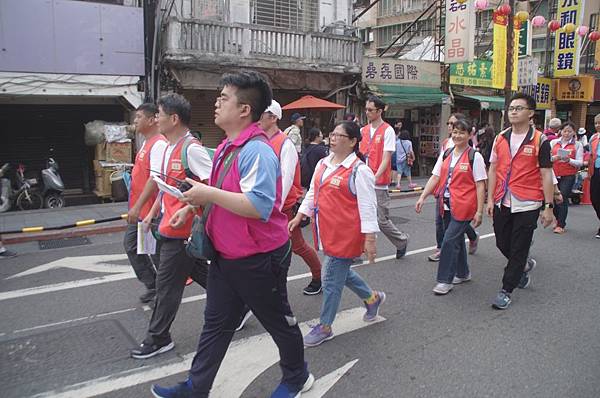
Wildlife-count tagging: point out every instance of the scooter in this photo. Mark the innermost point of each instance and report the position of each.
(52, 187)
(24, 197)
(577, 193)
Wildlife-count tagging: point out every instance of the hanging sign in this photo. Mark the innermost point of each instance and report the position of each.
(500, 50)
(460, 31)
(567, 46)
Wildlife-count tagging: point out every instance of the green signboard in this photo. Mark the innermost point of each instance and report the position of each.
(477, 73)
(525, 39)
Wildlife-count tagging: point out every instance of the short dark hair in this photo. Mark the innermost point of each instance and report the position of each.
(458, 115)
(149, 109)
(252, 90)
(313, 133)
(379, 104)
(463, 124)
(176, 104)
(531, 104)
(404, 135)
(569, 123)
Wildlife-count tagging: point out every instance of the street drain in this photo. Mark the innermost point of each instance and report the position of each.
(64, 242)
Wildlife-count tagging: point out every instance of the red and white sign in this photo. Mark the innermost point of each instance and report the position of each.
(460, 32)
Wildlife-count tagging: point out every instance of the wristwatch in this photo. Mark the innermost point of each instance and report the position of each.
(549, 206)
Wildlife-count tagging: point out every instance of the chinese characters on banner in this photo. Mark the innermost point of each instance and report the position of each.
(568, 45)
(542, 92)
(525, 39)
(580, 88)
(528, 71)
(477, 73)
(500, 50)
(401, 72)
(460, 32)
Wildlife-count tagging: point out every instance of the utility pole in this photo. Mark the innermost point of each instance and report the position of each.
(149, 9)
(510, 35)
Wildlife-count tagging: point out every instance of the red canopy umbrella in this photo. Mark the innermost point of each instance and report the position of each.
(310, 102)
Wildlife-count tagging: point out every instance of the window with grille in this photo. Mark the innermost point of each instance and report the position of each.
(387, 34)
(397, 7)
(301, 15)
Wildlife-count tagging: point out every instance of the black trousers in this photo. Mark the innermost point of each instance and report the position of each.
(514, 233)
(595, 192)
(173, 271)
(255, 282)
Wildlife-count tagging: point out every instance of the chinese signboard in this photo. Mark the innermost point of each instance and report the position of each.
(528, 71)
(460, 31)
(580, 88)
(525, 39)
(500, 50)
(477, 73)
(542, 92)
(567, 45)
(401, 72)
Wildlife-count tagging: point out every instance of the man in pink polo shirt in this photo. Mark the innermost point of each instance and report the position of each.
(249, 234)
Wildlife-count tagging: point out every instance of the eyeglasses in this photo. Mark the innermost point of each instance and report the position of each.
(516, 108)
(337, 135)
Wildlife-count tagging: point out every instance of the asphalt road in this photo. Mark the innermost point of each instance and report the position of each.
(68, 331)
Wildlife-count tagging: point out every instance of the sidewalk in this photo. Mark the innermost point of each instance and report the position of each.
(17, 220)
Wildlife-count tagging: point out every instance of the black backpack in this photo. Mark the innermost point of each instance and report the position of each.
(305, 169)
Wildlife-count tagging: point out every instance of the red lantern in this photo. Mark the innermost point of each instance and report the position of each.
(554, 25)
(594, 36)
(504, 9)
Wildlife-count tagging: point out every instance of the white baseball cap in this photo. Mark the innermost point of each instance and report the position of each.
(275, 109)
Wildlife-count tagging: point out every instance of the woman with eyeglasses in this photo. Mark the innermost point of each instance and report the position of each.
(567, 159)
(458, 183)
(341, 192)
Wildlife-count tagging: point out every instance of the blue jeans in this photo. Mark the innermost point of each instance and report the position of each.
(439, 228)
(565, 185)
(334, 276)
(453, 258)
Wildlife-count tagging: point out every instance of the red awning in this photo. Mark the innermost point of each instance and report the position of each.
(310, 102)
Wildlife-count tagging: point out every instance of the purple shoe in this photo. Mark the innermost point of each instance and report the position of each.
(373, 309)
(318, 335)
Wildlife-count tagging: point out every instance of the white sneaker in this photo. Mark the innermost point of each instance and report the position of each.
(458, 281)
(442, 288)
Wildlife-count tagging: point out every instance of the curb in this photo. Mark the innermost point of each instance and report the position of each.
(405, 195)
(49, 235)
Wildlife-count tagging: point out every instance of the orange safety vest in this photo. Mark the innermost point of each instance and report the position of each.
(372, 148)
(171, 204)
(463, 189)
(519, 174)
(594, 143)
(564, 168)
(296, 190)
(140, 175)
(337, 220)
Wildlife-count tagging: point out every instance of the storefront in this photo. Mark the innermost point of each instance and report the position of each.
(573, 95)
(412, 91)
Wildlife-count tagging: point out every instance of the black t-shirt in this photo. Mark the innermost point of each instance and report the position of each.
(311, 156)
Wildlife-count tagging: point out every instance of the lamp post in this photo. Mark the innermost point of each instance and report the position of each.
(509, 60)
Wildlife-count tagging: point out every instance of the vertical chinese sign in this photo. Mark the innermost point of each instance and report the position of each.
(567, 46)
(460, 32)
(500, 50)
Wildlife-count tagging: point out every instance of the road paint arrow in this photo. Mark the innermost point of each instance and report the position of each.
(325, 383)
(246, 359)
(99, 263)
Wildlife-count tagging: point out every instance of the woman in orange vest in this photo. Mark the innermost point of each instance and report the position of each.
(567, 158)
(341, 192)
(458, 183)
(594, 170)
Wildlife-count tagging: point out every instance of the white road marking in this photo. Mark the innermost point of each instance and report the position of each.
(97, 263)
(111, 278)
(325, 383)
(246, 359)
(85, 318)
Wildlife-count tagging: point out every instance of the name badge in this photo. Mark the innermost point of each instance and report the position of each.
(336, 181)
(176, 165)
(378, 139)
(528, 150)
(464, 167)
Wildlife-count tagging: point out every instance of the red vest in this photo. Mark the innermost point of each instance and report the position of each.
(594, 142)
(463, 189)
(170, 203)
(372, 148)
(140, 175)
(521, 172)
(564, 168)
(337, 220)
(296, 190)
